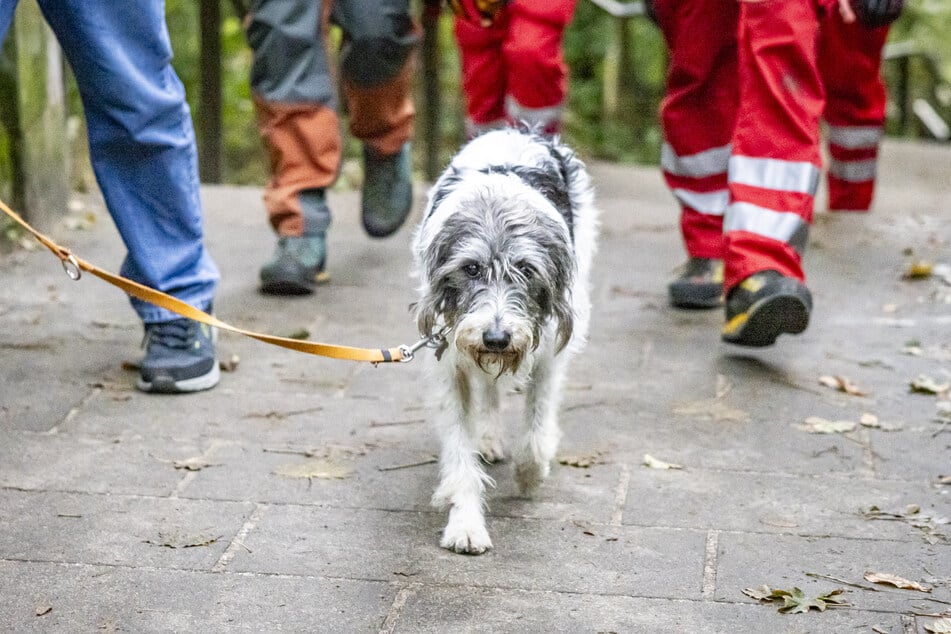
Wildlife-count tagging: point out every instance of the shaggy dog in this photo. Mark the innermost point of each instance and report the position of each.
(503, 254)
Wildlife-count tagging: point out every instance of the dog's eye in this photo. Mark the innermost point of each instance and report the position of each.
(472, 269)
(526, 270)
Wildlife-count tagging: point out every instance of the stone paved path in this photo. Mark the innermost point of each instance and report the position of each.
(100, 531)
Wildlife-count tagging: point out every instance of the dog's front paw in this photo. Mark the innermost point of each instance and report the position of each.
(490, 449)
(529, 476)
(465, 535)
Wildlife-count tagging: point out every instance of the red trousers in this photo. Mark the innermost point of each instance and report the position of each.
(513, 69)
(741, 150)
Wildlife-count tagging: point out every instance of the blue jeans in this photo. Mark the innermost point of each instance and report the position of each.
(141, 141)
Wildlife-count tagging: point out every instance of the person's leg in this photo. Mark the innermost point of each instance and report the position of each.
(536, 76)
(697, 116)
(295, 100)
(377, 64)
(7, 9)
(773, 172)
(850, 57)
(143, 152)
(483, 73)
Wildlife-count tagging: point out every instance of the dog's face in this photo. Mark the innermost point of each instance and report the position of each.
(497, 265)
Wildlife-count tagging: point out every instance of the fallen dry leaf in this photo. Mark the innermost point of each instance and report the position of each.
(796, 601)
(654, 463)
(918, 270)
(895, 580)
(871, 421)
(944, 479)
(842, 384)
(580, 462)
(818, 425)
(230, 364)
(941, 626)
(194, 464)
(924, 384)
(320, 469)
(43, 609)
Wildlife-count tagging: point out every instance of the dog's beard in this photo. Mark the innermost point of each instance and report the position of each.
(468, 341)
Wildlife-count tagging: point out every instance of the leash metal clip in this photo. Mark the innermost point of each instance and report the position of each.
(71, 266)
(433, 341)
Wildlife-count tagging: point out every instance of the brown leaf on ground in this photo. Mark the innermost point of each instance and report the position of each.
(895, 580)
(918, 270)
(842, 384)
(43, 609)
(872, 422)
(580, 461)
(795, 601)
(230, 364)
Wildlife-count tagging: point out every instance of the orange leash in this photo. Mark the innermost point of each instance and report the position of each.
(74, 267)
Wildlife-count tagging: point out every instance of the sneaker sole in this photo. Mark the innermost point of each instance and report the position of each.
(766, 320)
(695, 296)
(294, 287)
(167, 385)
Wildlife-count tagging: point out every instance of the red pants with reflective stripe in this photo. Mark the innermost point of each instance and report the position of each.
(781, 101)
(850, 58)
(517, 57)
(697, 114)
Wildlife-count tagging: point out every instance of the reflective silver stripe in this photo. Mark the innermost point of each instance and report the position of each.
(854, 171)
(784, 226)
(775, 174)
(533, 116)
(853, 137)
(707, 163)
(710, 203)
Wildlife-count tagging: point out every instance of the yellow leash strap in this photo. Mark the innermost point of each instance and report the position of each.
(74, 267)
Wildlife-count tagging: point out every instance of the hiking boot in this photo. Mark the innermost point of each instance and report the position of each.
(764, 306)
(700, 285)
(387, 191)
(179, 357)
(297, 266)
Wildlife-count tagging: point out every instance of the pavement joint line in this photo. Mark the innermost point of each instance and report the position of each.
(238, 540)
(552, 520)
(429, 585)
(868, 454)
(620, 495)
(73, 412)
(710, 564)
(190, 476)
(392, 617)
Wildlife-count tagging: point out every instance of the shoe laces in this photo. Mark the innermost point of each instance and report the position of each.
(178, 334)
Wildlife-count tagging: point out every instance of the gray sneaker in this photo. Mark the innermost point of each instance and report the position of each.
(297, 266)
(179, 357)
(387, 191)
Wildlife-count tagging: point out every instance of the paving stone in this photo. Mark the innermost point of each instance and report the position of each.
(443, 609)
(150, 600)
(116, 530)
(747, 560)
(394, 545)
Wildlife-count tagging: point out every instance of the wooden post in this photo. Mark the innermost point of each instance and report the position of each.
(34, 115)
(209, 107)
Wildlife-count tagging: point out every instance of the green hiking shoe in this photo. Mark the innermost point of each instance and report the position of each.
(700, 284)
(297, 266)
(764, 306)
(387, 191)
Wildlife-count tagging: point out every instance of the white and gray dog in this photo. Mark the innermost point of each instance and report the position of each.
(503, 254)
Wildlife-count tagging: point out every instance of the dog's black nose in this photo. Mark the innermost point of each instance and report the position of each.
(496, 339)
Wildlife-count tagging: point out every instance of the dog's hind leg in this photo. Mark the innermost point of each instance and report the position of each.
(540, 434)
(462, 480)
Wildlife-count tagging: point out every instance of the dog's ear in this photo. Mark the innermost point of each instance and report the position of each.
(565, 318)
